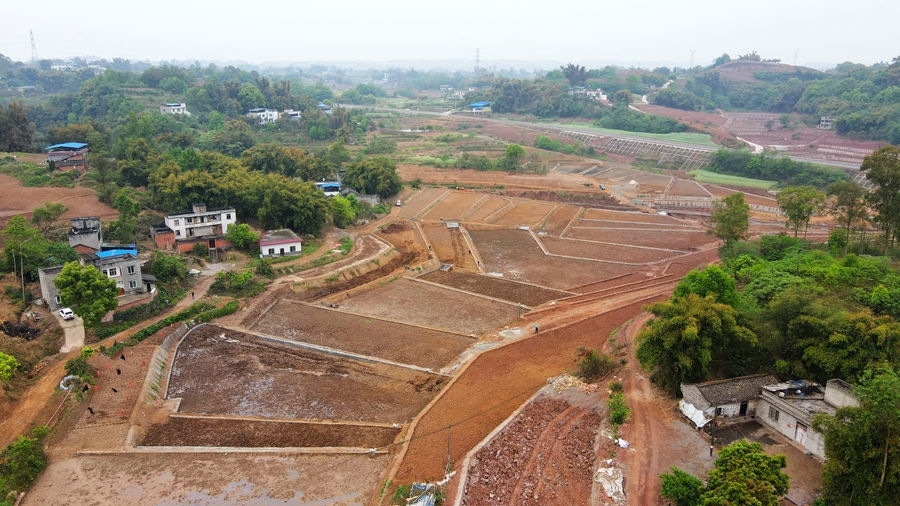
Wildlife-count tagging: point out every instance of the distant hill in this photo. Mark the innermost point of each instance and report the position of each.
(748, 71)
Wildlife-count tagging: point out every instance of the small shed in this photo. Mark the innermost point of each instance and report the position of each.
(279, 243)
(730, 399)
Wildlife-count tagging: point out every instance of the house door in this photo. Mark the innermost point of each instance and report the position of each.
(282, 252)
(743, 411)
(800, 435)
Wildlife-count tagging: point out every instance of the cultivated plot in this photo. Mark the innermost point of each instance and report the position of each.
(514, 255)
(604, 251)
(519, 293)
(397, 342)
(220, 371)
(455, 206)
(678, 240)
(416, 303)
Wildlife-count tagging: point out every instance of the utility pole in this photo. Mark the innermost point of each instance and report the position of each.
(34, 57)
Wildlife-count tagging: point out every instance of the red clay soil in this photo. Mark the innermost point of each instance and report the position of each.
(181, 431)
(544, 457)
(512, 291)
(21, 200)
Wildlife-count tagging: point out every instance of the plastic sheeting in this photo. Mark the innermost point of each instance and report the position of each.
(698, 417)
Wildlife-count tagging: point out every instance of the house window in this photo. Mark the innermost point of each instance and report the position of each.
(132, 284)
(271, 251)
(178, 233)
(228, 216)
(130, 269)
(177, 222)
(113, 272)
(293, 249)
(189, 220)
(773, 413)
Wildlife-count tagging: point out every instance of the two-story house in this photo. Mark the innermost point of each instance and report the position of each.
(182, 230)
(68, 155)
(86, 234)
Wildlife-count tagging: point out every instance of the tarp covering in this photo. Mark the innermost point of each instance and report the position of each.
(698, 417)
(421, 494)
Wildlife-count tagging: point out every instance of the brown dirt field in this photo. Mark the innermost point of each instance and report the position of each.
(518, 293)
(605, 251)
(629, 217)
(406, 344)
(17, 199)
(211, 478)
(449, 245)
(683, 188)
(420, 200)
(488, 208)
(118, 384)
(597, 199)
(470, 179)
(545, 457)
(523, 213)
(682, 240)
(455, 206)
(182, 431)
(404, 236)
(277, 381)
(431, 306)
(515, 254)
(493, 385)
(560, 219)
(632, 226)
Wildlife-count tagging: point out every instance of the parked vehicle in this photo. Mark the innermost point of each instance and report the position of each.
(66, 313)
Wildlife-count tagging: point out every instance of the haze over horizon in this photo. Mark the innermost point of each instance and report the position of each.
(817, 34)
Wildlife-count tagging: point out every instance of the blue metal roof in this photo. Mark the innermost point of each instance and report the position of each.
(481, 104)
(116, 252)
(67, 145)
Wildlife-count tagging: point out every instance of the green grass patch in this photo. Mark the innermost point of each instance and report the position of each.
(686, 137)
(705, 176)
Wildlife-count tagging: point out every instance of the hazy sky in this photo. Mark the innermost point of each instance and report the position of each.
(810, 32)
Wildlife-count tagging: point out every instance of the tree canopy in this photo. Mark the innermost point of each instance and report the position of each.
(730, 219)
(89, 292)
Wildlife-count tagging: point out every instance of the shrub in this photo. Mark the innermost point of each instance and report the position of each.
(593, 365)
(21, 462)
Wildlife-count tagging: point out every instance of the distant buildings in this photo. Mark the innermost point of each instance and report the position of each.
(174, 108)
(483, 107)
(263, 115)
(68, 155)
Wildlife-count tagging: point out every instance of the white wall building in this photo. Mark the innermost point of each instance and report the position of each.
(279, 243)
(201, 222)
(174, 108)
(264, 115)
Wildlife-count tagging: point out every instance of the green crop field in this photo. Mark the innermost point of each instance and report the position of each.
(705, 176)
(686, 137)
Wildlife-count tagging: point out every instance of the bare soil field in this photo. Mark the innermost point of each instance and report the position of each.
(664, 239)
(519, 293)
(470, 179)
(191, 431)
(524, 212)
(515, 255)
(489, 208)
(209, 478)
(683, 188)
(118, 383)
(404, 236)
(562, 217)
(431, 306)
(420, 200)
(17, 199)
(454, 206)
(629, 217)
(449, 246)
(397, 342)
(224, 372)
(606, 251)
(545, 457)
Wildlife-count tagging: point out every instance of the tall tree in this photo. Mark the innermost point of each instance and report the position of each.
(849, 205)
(730, 219)
(16, 131)
(686, 333)
(862, 444)
(576, 74)
(799, 204)
(48, 213)
(882, 168)
(744, 474)
(512, 156)
(89, 292)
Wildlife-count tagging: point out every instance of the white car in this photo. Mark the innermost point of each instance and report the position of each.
(66, 313)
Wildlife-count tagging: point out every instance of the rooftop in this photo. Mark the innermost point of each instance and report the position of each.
(728, 391)
(66, 146)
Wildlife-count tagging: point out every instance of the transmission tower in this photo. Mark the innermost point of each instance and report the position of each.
(477, 61)
(34, 57)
